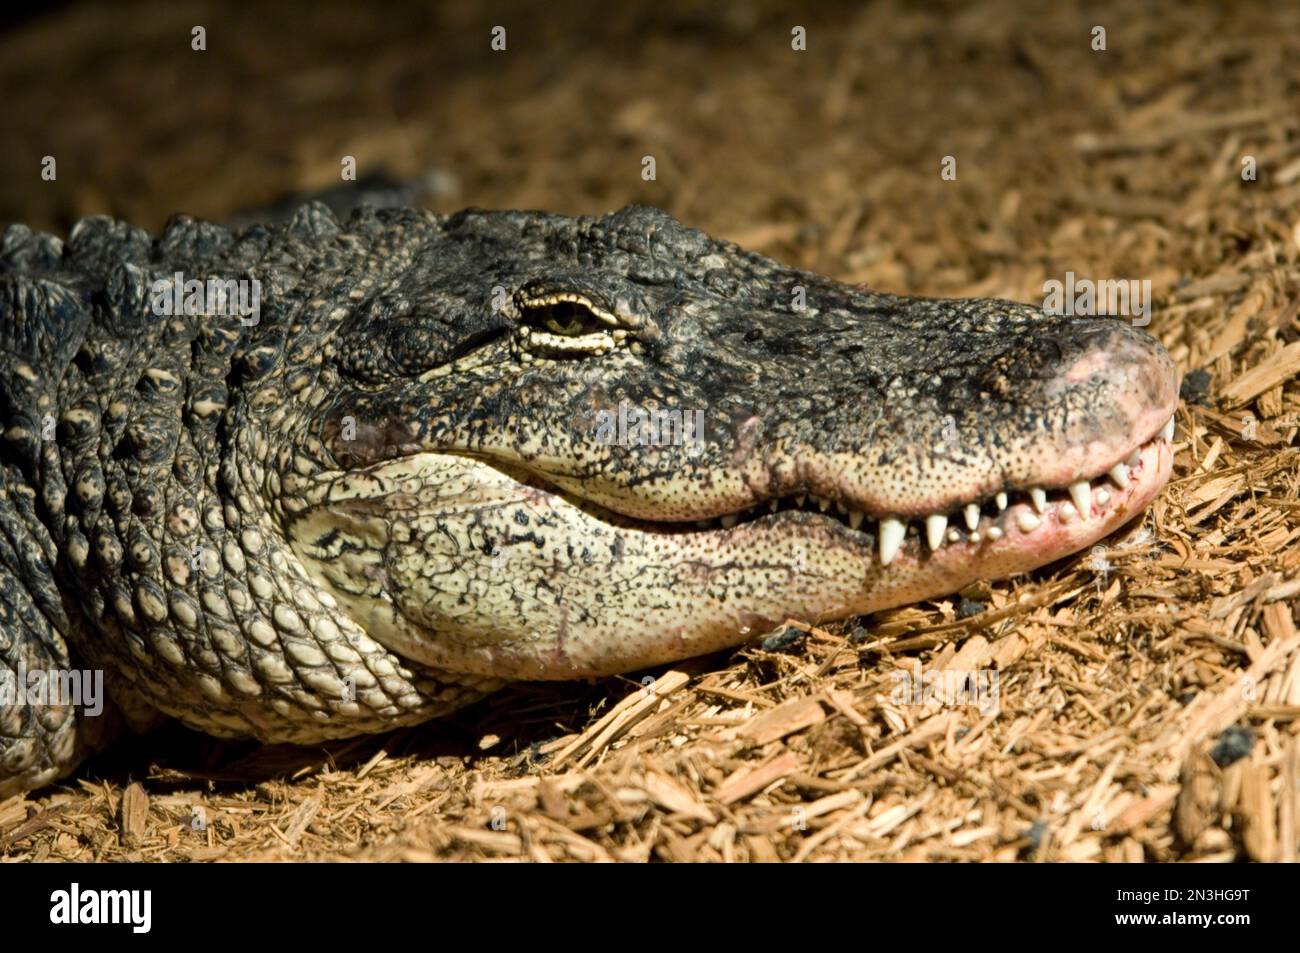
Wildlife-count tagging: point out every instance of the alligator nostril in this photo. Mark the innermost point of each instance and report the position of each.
(1051, 351)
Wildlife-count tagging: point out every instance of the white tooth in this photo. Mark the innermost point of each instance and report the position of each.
(1027, 521)
(1081, 493)
(1066, 513)
(953, 536)
(1119, 473)
(729, 520)
(891, 538)
(934, 530)
(994, 533)
(1001, 500)
(855, 518)
(1102, 497)
(974, 537)
(1040, 499)
(1134, 458)
(972, 513)
(823, 504)
(1168, 432)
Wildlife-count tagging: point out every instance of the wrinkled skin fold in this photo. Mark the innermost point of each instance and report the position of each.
(426, 468)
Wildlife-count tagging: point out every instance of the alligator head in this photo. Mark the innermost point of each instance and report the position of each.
(541, 447)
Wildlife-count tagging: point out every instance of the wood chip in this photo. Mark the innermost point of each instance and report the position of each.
(746, 782)
(1198, 796)
(1257, 814)
(133, 815)
(676, 797)
(785, 719)
(1280, 366)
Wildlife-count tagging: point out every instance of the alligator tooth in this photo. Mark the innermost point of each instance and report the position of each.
(1066, 513)
(1119, 473)
(994, 533)
(1027, 521)
(823, 504)
(772, 505)
(855, 518)
(1102, 497)
(953, 536)
(972, 513)
(934, 530)
(974, 537)
(1039, 497)
(1001, 500)
(891, 538)
(1081, 493)
(1168, 432)
(728, 521)
(801, 499)
(1134, 458)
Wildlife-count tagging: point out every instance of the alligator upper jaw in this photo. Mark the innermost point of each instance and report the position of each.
(1010, 534)
(1079, 494)
(1005, 533)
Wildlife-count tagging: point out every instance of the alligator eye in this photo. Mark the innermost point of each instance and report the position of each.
(566, 322)
(570, 319)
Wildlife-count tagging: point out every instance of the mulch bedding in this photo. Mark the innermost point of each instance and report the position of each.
(1148, 689)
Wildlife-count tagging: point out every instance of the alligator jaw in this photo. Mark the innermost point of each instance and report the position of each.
(1045, 522)
(620, 593)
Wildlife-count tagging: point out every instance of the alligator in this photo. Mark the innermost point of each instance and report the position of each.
(322, 478)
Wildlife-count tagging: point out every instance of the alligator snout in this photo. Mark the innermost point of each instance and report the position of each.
(1115, 388)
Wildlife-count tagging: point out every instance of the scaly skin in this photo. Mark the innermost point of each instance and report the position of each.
(398, 490)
